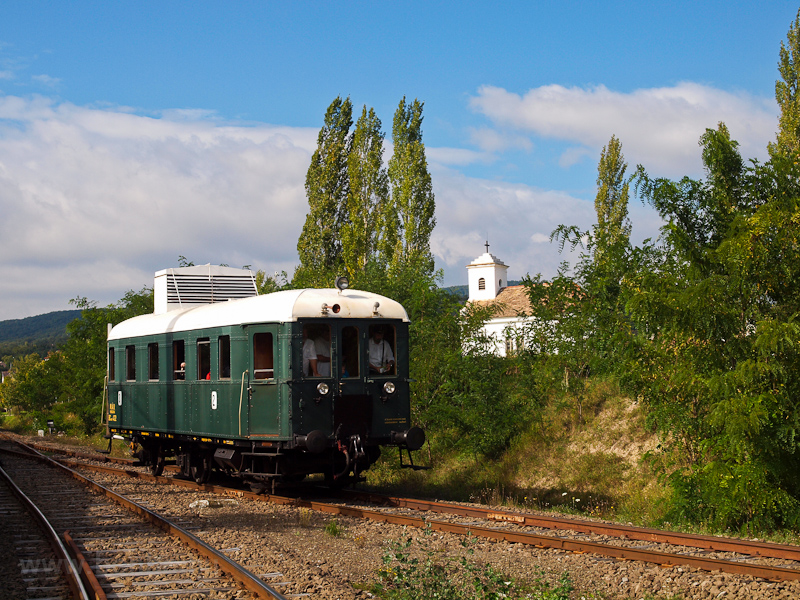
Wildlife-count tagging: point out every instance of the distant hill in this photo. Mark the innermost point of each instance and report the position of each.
(39, 334)
(462, 291)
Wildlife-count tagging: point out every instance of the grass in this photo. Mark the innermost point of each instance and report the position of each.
(333, 529)
(585, 460)
(304, 517)
(414, 568)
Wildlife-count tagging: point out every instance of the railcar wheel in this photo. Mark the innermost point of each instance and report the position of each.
(157, 464)
(200, 468)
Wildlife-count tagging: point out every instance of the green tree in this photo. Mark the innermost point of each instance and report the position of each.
(613, 228)
(87, 346)
(367, 198)
(716, 307)
(36, 384)
(413, 205)
(787, 93)
(327, 187)
(266, 284)
(580, 316)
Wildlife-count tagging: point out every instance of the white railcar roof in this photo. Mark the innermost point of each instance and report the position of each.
(279, 307)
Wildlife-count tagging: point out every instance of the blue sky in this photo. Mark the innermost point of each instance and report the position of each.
(131, 133)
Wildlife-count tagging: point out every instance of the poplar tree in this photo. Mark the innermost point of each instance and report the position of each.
(367, 198)
(786, 93)
(413, 205)
(327, 188)
(611, 203)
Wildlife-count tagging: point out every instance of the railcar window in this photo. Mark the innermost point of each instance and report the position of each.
(381, 349)
(204, 358)
(111, 371)
(317, 351)
(130, 361)
(349, 360)
(224, 357)
(178, 360)
(152, 362)
(263, 356)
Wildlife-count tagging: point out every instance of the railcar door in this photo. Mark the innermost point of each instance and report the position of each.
(353, 407)
(263, 390)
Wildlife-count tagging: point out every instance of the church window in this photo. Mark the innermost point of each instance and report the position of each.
(481, 284)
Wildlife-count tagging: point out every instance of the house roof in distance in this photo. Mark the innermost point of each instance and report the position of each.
(511, 301)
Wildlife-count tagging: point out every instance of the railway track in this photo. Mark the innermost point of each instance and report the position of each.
(775, 562)
(38, 552)
(121, 548)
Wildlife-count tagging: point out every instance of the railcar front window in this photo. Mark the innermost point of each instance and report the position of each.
(349, 359)
(263, 356)
(204, 358)
(152, 362)
(178, 360)
(317, 351)
(130, 361)
(381, 349)
(224, 357)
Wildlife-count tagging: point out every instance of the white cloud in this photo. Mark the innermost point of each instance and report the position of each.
(658, 127)
(6, 75)
(94, 201)
(449, 156)
(46, 80)
(493, 140)
(540, 238)
(516, 219)
(574, 155)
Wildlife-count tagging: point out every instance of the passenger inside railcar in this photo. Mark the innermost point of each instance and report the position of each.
(381, 355)
(204, 359)
(309, 354)
(178, 360)
(322, 343)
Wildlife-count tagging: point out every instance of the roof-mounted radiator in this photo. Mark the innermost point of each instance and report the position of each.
(206, 284)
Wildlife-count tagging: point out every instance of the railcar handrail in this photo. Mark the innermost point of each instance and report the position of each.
(241, 394)
(103, 420)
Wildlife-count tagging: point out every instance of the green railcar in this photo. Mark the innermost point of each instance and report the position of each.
(268, 388)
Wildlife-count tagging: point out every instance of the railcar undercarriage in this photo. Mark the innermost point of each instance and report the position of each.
(264, 468)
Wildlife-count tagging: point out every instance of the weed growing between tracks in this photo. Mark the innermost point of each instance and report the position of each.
(333, 529)
(414, 569)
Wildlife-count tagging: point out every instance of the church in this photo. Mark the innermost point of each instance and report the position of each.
(488, 286)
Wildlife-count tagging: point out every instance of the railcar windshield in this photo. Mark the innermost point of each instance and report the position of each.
(355, 351)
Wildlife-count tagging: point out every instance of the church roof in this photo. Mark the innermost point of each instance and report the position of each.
(487, 258)
(511, 301)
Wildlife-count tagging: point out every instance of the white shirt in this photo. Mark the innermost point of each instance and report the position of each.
(309, 353)
(380, 353)
(323, 347)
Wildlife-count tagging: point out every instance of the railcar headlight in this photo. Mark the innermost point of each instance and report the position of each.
(389, 387)
(323, 388)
